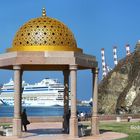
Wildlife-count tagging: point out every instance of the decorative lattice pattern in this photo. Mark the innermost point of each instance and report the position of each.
(44, 31)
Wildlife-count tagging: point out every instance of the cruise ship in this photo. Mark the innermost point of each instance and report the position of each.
(48, 92)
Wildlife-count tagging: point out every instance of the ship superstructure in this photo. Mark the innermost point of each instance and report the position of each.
(48, 92)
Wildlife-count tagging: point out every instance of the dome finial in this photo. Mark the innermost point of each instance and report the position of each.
(43, 12)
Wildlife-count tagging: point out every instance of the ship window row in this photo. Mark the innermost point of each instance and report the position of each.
(39, 88)
(29, 98)
(8, 99)
(8, 89)
(58, 85)
(60, 95)
(35, 87)
(31, 88)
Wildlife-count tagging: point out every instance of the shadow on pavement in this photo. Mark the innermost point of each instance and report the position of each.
(45, 131)
(103, 131)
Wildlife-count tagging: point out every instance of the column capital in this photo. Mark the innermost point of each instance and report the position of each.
(73, 67)
(95, 70)
(16, 67)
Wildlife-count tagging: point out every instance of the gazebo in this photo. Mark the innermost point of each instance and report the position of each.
(46, 44)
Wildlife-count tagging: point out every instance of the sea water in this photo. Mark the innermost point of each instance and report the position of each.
(7, 111)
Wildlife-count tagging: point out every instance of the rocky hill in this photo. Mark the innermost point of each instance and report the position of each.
(119, 91)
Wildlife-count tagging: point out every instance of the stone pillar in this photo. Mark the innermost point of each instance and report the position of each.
(21, 90)
(66, 98)
(17, 101)
(73, 119)
(94, 119)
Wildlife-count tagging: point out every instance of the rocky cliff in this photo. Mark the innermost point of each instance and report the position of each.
(119, 91)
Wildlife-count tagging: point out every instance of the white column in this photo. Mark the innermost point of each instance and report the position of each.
(73, 118)
(104, 73)
(66, 98)
(115, 55)
(127, 47)
(94, 119)
(17, 101)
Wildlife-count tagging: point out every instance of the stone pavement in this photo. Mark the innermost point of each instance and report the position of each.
(53, 131)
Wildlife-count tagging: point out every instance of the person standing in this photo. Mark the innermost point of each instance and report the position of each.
(24, 120)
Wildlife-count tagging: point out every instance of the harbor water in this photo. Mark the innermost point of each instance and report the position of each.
(7, 111)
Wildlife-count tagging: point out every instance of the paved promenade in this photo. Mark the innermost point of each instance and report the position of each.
(53, 131)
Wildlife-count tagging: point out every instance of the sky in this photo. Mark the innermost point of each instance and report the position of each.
(95, 24)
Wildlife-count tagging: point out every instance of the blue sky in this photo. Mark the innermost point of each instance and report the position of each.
(96, 24)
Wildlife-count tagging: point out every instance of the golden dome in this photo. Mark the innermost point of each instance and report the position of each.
(44, 34)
